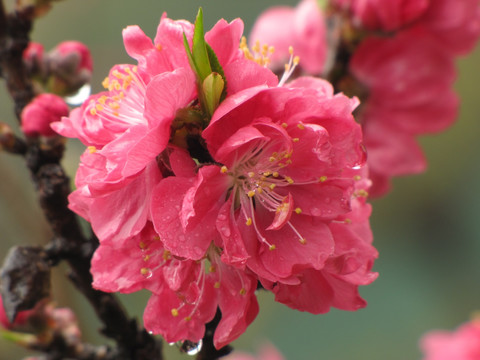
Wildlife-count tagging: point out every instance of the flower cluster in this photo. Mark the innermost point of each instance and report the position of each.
(205, 178)
(398, 57)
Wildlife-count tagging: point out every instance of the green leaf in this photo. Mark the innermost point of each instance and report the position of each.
(189, 54)
(199, 48)
(212, 87)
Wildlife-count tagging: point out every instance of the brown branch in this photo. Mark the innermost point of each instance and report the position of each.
(52, 186)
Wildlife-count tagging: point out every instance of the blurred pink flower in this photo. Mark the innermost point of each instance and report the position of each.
(402, 103)
(461, 344)
(302, 27)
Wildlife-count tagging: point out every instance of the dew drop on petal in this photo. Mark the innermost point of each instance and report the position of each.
(146, 272)
(80, 96)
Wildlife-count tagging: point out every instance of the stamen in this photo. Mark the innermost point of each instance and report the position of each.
(92, 149)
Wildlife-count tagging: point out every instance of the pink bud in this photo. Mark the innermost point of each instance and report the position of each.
(20, 319)
(33, 53)
(67, 48)
(43, 110)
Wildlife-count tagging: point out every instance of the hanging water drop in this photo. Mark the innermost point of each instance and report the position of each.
(192, 348)
(80, 96)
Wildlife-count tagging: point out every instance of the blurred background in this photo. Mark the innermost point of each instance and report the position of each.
(427, 230)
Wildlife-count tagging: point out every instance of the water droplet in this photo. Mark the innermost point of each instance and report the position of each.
(225, 231)
(363, 158)
(192, 348)
(80, 96)
(150, 332)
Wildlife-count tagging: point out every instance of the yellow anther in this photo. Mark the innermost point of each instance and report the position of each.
(357, 178)
(142, 245)
(159, 47)
(290, 50)
(117, 86)
(249, 222)
(114, 105)
(303, 241)
(135, 68)
(156, 238)
(271, 159)
(92, 149)
(166, 255)
(271, 49)
(284, 125)
(117, 74)
(275, 174)
(301, 126)
(272, 247)
(223, 169)
(212, 269)
(298, 210)
(348, 221)
(106, 82)
(289, 161)
(287, 67)
(174, 312)
(99, 107)
(216, 285)
(144, 271)
(289, 179)
(322, 178)
(295, 140)
(93, 111)
(362, 193)
(272, 186)
(116, 113)
(122, 95)
(251, 193)
(267, 173)
(102, 99)
(296, 60)
(188, 318)
(251, 174)
(146, 258)
(259, 190)
(243, 291)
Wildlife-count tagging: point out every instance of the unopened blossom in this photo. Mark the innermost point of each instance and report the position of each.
(20, 320)
(460, 344)
(41, 112)
(302, 27)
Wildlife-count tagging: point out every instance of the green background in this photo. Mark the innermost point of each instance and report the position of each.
(427, 230)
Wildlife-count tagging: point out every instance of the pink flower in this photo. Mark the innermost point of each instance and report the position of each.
(40, 113)
(186, 293)
(385, 15)
(128, 126)
(283, 178)
(402, 103)
(302, 27)
(461, 344)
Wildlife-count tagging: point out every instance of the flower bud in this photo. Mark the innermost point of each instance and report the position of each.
(43, 110)
(33, 58)
(20, 320)
(70, 65)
